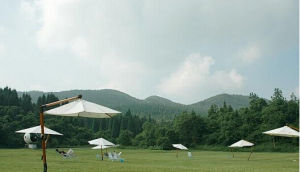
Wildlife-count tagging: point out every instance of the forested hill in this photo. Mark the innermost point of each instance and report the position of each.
(221, 127)
(236, 101)
(157, 107)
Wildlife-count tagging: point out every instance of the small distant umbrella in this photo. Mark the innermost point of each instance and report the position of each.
(282, 132)
(102, 147)
(37, 130)
(75, 107)
(100, 141)
(179, 146)
(101, 144)
(240, 144)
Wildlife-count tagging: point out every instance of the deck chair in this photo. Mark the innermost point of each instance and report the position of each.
(69, 154)
(110, 156)
(119, 155)
(115, 156)
(190, 154)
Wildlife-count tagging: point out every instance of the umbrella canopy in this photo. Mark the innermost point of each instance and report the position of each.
(103, 147)
(283, 131)
(241, 143)
(37, 129)
(84, 109)
(179, 146)
(101, 142)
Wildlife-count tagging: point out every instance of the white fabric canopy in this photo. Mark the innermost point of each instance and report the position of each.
(37, 129)
(103, 147)
(241, 143)
(179, 146)
(283, 131)
(84, 109)
(101, 142)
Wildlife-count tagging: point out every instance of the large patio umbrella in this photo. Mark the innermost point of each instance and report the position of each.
(76, 107)
(179, 146)
(240, 144)
(282, 132)
(102, 144)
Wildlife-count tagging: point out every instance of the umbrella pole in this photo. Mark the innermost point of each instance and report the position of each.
(274, 142)
(101, 153)
(177, 153)
(232, 152)
(250, 154)
(43, 138)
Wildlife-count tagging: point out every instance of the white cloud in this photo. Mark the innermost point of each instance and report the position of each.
(80, 47)
(227, 80)
(193, 72)
(2, 49)
(250, 54)
(123, 75)
(194, 79)
(29, 9)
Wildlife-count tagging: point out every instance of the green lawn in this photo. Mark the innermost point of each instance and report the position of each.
(27, 160)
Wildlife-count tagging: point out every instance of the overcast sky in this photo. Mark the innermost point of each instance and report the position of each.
(182, 50)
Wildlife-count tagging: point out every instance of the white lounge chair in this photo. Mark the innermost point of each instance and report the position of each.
(69, 154)
(119, 155)
(110, 156)
(190, 154)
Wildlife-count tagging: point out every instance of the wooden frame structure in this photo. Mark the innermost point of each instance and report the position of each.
(42, 108)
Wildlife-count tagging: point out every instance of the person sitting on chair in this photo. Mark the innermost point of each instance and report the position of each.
(60, 152)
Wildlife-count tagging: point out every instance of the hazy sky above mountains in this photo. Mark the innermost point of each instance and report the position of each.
(182, 50)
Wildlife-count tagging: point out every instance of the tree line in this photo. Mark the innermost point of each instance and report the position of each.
(221, 127)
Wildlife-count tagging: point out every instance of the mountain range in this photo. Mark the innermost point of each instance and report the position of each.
(154, 106)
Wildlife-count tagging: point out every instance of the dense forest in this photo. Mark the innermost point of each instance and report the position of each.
(221, 127)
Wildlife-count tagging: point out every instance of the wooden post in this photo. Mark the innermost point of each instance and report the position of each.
(101, 153)
(43, 138)
(250, 154)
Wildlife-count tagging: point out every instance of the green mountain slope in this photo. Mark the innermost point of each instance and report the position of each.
(236, 101)
(157, 107)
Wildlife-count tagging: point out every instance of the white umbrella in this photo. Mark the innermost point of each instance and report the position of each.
(100, 142)
(37, 129)
(179, 146)
(104, 146)
(283, 132)
(240, 144)
(84, 109)
(75, 107)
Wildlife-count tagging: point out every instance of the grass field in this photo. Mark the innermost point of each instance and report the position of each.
(27, 160)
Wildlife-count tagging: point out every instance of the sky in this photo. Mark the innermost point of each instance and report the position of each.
(185, 51)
